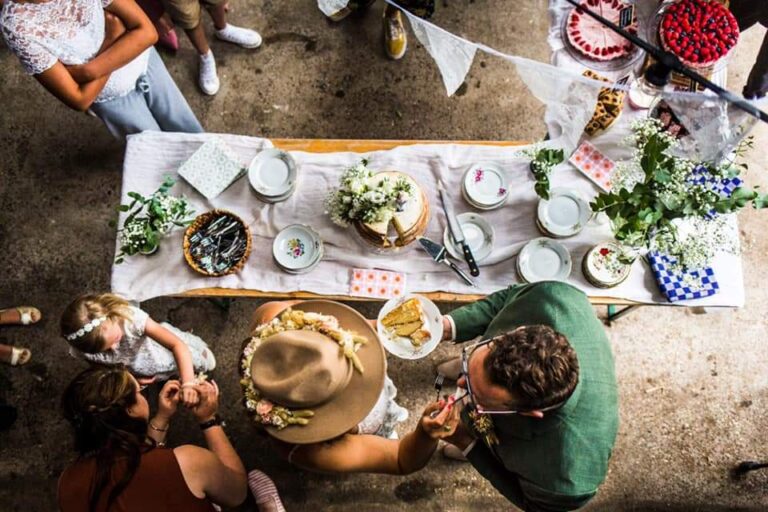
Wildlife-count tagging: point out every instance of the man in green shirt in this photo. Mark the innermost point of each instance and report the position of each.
(541, 414)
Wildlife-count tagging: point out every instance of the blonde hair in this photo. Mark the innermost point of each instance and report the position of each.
(88, 307)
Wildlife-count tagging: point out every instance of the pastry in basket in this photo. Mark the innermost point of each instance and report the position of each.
(407, 320)
(609, 105)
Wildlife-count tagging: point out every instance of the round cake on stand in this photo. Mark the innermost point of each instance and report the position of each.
(407, 224)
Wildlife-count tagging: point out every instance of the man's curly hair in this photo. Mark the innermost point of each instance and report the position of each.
(536, 364)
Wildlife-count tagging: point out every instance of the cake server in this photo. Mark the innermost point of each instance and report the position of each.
(438, 254)
(458, 235)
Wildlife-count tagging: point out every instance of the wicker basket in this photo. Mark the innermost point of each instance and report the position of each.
(203, 220)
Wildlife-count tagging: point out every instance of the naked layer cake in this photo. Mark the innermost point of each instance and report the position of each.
(406, 225)
(698, 32)
(593, 40)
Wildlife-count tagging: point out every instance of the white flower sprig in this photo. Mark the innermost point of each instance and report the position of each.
(362, 197)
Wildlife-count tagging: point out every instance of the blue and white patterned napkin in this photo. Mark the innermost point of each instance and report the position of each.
(724, 187)
(211, 169)
(677, 284)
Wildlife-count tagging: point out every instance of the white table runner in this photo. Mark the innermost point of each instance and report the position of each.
(151, 155)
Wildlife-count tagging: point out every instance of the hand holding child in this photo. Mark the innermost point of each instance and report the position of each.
(168, 399)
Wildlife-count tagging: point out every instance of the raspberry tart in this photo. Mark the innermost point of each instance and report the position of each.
(593, 40)
(698, 32)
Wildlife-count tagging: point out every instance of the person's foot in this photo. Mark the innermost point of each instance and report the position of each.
(450, 368)
(264, 492)
(20, 315)
(7, 416)
(395, 38)
(244, 37)
(14, 356)
(449, 451)
(208, 79)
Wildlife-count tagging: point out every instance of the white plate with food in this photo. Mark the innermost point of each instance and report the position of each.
(410, 327)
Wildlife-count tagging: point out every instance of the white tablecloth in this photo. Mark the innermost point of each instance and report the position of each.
(150, 155)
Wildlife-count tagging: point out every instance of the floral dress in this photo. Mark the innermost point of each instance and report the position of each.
(146, 357)
(385, 415)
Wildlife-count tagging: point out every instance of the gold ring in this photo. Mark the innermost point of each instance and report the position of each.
(447, 428)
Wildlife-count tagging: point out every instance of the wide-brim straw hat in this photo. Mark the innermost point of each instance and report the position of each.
(347, 406)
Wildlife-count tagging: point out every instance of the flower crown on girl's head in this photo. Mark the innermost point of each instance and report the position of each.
(86, 328)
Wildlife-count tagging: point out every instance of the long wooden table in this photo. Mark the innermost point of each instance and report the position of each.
(365, 146)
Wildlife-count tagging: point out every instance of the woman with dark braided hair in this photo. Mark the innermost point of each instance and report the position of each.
(123, 464)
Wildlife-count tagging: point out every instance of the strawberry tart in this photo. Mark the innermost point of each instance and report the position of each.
(698, 32)
(593, 40)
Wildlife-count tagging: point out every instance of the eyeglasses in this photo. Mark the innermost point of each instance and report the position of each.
(466, 353)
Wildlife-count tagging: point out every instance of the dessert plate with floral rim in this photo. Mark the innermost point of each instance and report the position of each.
(564, 214)
(544, 259)
(273, 173)
(485, 186)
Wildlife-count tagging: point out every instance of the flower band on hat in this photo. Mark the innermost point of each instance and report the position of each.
(90, 326)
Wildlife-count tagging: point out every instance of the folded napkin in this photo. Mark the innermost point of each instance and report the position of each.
(378, 284)
(594, 165)
(211, 169)
(677, 284)
(724, 187)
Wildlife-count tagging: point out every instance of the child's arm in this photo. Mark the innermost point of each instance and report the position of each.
(181, 354)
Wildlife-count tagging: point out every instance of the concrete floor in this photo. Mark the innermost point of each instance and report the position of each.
(693, 388)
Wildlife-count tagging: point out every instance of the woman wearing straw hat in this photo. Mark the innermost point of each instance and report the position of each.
(313, 372)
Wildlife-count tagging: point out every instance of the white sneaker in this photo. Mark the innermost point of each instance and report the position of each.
(208, 79)
(244, 37)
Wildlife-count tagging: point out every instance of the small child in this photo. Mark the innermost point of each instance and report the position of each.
(106, 329)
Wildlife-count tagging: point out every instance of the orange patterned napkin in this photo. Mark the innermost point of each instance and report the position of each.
(594, 165)
(379, 284)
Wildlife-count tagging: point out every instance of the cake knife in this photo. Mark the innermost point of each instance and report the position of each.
(458, 235)
(437, 252)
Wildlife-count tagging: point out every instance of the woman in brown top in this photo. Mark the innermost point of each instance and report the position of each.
(123, 464)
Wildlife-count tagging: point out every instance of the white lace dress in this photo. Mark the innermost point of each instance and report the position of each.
(385, 415)
(146, 357)
(70, 31)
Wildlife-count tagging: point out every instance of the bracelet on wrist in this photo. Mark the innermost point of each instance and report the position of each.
(153, 427)
(189, 384)
(216, 421)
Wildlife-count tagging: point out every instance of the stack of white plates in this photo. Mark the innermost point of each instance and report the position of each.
(273, 175)
(297, 249)
(564, 214)
(543, 259)
(485, 186)
(478, 234)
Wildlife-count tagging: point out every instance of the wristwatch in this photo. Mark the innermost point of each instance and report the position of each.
(213, 422)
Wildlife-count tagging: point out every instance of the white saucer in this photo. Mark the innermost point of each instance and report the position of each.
(544, 259)
(273, 174)
(478, 234)
(401, 346)
(564, 214)
(297, 248)
(485, 186)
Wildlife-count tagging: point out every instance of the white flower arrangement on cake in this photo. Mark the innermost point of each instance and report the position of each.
(266, 412)
(361, 198)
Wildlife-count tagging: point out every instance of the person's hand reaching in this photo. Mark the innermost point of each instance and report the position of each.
(168, 400)
(208, 405)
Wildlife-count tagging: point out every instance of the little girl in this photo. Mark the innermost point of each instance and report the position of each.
(106, 329)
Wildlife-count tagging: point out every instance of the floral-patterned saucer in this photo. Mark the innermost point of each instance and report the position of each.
(564, 214)
(485, 186)
(297, 249)
(544, 259)
(602, 266)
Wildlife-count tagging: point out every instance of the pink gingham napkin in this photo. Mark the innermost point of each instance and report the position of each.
(378, 284)
(594, 165)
